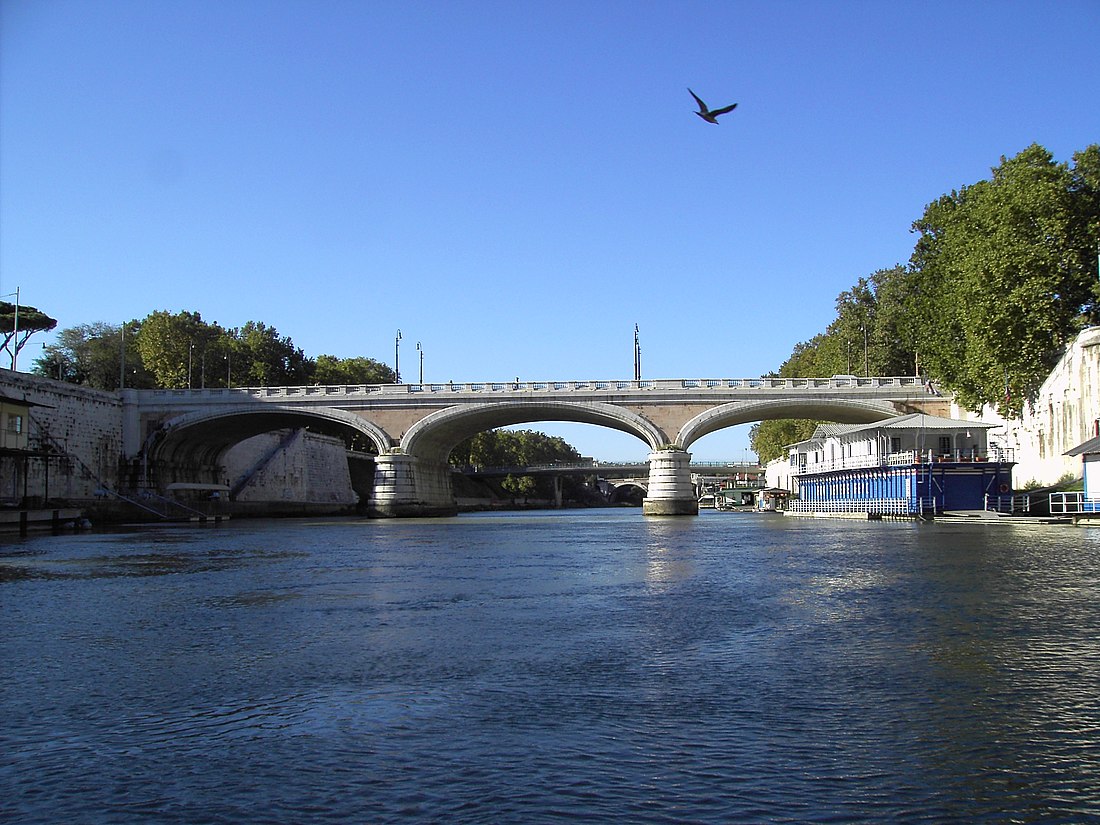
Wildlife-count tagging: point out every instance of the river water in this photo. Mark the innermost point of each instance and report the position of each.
(590, 666)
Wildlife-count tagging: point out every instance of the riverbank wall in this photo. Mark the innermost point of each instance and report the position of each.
(284, 472)
(1062, 414)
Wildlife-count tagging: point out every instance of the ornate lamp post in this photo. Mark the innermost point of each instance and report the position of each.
(397, 358)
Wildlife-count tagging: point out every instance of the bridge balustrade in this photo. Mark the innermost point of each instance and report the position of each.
(540, 386)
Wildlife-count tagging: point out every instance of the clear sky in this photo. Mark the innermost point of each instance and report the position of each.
(514, 184)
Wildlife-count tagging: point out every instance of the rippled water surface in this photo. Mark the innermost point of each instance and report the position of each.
(593, 666)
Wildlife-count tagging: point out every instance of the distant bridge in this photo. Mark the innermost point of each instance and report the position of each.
(606, 469)
(409, 430)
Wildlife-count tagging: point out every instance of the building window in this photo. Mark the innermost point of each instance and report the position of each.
(945, 444)
(895, 444)
(15, 423)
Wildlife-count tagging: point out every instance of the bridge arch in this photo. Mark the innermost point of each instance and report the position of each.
(190, 440)
(434, 436)
(745, 412)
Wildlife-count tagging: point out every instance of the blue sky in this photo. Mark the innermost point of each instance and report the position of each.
(514, 185)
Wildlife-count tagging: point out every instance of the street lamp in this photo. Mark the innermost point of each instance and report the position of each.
(418, 349)
(637, 356)
(397, 358)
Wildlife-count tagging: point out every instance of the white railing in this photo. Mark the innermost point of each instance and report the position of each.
(1018, 503)
(906, 383)
(1064, 504)
(903, 458)
(877, 506)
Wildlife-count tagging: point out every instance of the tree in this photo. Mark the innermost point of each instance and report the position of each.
(1004, 274)
(328, 369)
(866, 337)
(519, 486)
(172, 347)
(267, 359)
(770, 439)
(91, 355)
(511, 448)
(18, 323)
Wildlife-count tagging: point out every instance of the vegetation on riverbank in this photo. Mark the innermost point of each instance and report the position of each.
(1003, 274)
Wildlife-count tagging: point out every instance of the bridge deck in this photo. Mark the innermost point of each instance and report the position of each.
(678, 386)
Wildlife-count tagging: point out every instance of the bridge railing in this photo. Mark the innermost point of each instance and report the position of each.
(906, 383)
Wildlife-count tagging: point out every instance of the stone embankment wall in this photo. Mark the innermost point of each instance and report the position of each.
(84, 425)
(1063, 414)
(310, 469)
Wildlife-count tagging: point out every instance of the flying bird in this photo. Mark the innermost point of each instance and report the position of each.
(710, 115)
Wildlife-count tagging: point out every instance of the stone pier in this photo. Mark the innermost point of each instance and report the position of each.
(671, 492)
(405, 485)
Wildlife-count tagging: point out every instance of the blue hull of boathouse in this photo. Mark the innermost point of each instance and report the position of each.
(913, 490)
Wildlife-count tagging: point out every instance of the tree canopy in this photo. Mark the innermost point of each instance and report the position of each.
(328, 369)
(1003, 274)
(512, 448)
(178, 350)
(18, 323)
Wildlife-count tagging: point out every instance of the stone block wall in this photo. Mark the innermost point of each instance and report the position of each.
(310, 469)
(83, 425)
(1063, 414)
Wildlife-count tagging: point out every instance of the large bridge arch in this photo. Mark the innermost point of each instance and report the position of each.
(433, 437)
(746, 412)
(200, 439)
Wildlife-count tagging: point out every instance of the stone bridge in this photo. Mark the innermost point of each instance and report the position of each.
(409, 430)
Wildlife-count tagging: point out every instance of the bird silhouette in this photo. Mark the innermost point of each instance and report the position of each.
(710, 115)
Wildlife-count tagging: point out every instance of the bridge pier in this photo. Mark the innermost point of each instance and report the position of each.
(671, 492)
(408, 486)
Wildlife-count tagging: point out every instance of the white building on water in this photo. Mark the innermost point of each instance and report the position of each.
(912, 465)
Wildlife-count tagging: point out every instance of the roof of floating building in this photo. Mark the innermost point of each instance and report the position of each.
(912, 421)
(1090, 446)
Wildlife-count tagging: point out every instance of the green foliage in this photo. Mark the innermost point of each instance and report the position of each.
(511, 448)
(519, 486)
(30, 320)
(1004, 273)
(328, 369)
(92, 355)
(770, 439)
(268, 360)
(167, 345)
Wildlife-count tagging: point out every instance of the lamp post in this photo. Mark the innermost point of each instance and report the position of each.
(418, 349)
(637, 356)
(397, 358)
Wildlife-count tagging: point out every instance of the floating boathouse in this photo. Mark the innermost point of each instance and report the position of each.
(910, 466)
